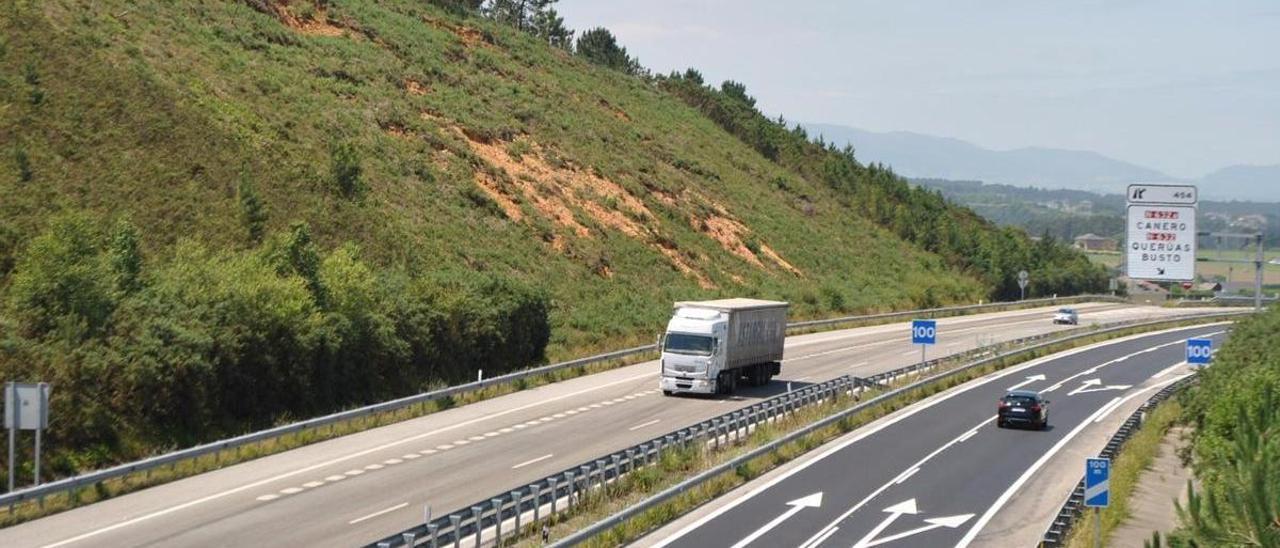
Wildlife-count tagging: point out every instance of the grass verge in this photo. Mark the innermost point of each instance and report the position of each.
(1135, 457)
(680, 464)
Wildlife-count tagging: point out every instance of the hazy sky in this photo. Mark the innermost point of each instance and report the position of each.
(1185, 87)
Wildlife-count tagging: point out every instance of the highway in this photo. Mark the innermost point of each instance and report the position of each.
(939, 472)
(360, 487)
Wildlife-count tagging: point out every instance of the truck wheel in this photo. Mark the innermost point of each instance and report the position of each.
(667, 392)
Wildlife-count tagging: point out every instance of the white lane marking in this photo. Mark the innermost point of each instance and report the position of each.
(378, 513)
(908, 472)
(313, 484)
(797, 506)
(520, 426)
(476, 438)
(1107, 408)
(392, 461)
(644, 424)
(265, 498)
(819, 539)
(353, 472)
(445, 447)
(1004, 497)
(373, 467)
(583, 409)
(532, 461)
(558, 416)
(335, 477)
(857, 365)
(905, 476)
(290, 490)
(428, 451)
(177, 507)
(1170, 369)
(911, 352)
(460, 442)
(507, 430)
(410, 456)
(594, 406)
(906, 413)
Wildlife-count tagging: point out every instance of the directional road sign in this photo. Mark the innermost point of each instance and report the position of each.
(924, 332)
(1097, 483)
(1160, 232)
(1199, 351)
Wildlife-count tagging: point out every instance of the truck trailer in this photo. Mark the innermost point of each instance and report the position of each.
(710, 346)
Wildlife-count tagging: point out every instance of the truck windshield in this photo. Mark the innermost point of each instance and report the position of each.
(697, 345)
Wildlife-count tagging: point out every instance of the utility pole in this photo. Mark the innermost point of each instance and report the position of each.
(1257, 276)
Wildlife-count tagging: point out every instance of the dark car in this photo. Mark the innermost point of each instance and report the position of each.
(1023, 407)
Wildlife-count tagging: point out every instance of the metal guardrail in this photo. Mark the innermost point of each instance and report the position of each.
(564, 490)
(1073, 507)
(951, 310)
(707, 475)
(151, 463)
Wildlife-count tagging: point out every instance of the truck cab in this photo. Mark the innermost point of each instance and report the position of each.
(691, 356)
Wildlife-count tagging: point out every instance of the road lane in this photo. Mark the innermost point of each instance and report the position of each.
(961, 467)
(467, 453)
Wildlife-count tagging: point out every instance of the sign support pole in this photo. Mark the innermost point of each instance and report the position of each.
(922, 357)
(11, 395)
(1257, 277)
(1097, 527)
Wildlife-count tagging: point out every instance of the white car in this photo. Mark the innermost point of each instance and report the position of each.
(1066, 316)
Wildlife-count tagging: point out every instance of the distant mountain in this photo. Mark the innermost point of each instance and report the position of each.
(917, 155)
(1259, 183)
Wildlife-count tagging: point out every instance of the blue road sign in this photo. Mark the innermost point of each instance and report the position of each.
(1097, 483)
(1199, 351)
(924, 332)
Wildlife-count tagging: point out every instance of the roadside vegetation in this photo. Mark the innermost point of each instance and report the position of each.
(221, 216)
(1235, 448)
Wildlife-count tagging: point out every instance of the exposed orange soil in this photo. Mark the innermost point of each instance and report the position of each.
(415, 87)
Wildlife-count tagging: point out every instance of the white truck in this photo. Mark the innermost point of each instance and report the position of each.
(710, 345)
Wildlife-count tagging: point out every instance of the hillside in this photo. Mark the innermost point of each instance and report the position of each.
(306, 206)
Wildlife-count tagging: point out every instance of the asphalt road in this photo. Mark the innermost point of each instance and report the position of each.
(364, 486)
(939, 472)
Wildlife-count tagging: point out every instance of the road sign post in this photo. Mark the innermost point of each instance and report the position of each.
(1199, 352)
(26, 407)
(924, 333)
(1023, 279)
(1097, 492)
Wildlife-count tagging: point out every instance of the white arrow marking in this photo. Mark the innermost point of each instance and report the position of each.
(1029, 380)
(811, 501)
(905, 507)
(1084, 387)
(934, 523)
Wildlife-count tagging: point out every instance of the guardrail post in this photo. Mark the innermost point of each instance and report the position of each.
(434, 531)
(477, 512)
(456, 521)
(409, 539)
(517, 497)
(617, 463)
(568, 500)
(715, 425)
(497, 520)
(552, 482)
(384, 545)
(631, 459)
(599, 471)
